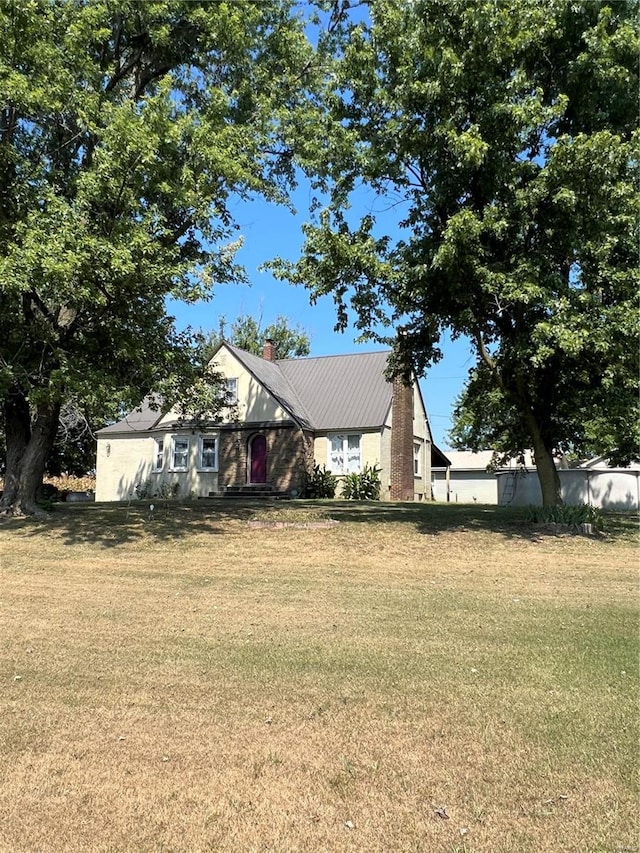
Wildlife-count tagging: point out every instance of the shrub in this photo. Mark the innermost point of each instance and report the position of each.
(319, 483)
(364, 486)
(164, 491)
(572, 516)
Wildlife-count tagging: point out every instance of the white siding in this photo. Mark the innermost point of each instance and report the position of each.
(466, 487)
(255, 403)
(612, 488)
(124, 462)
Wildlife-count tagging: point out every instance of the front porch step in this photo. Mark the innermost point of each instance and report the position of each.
(251, 492)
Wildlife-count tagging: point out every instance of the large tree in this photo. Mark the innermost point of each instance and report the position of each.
(248, 333)
(505, 137)
(126, 128)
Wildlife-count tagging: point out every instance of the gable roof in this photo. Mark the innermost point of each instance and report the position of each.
(270, 375)
(326, 392)
(468, 460)
(142, 419)
(599, 463)
(331, 392)
(342, 391)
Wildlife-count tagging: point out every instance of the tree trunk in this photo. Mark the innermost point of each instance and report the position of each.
(34, 459)
(548, 477)
(545, 466)
(516, 390)
(17, 420)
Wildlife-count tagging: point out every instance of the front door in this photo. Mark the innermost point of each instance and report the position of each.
(258, 459)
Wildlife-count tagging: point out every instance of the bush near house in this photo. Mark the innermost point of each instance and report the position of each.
(319, 483)
(571, 516)
(364, 486)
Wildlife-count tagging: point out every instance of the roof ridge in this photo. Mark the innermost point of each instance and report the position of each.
(331, 355)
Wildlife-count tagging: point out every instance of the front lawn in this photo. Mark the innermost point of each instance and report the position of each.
(414, 678)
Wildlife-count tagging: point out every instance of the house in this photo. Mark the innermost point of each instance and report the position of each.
(471, 478)
(338, 411)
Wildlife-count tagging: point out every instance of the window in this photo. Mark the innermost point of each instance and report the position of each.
(208, 453)
(417, 470)
(231, 388)
(158, 454)
(344, 454)
(179, 453)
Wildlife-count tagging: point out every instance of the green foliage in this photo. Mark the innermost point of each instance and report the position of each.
(151, 489)
(363, 486)
(247, 333)
(506, 137)
(572, 516)
(319, 483)
(126, 132)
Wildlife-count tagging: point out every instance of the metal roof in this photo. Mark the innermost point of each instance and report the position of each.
(331, 392)
(467, 460)
(142, 419)
(341, 391)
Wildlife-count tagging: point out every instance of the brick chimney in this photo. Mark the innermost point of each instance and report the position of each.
(402, 488)
(269, 350)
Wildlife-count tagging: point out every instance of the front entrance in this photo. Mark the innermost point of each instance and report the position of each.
(258, 459)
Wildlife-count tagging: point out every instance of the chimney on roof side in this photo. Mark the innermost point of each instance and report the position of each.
(269, 350)
(402, 486)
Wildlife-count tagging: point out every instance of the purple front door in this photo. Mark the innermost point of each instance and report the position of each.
(258, 460)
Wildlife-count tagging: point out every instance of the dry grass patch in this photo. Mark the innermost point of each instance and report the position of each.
(176, 681)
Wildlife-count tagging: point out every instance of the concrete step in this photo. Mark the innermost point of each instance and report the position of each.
(251, 492)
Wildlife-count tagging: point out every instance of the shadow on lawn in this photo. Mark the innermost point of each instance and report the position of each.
(438, 518)
(110, 525)
(433, 518)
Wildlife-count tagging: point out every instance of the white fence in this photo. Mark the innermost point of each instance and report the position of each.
(606, 488)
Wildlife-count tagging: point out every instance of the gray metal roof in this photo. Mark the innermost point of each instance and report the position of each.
(142, 419)
(341, 391)
(330, 392)
(327, 392)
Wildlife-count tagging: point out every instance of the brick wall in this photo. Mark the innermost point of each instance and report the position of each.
(232, 458)
(401, 473)
(287, 457)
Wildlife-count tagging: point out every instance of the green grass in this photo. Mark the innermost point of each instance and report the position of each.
(186, 683)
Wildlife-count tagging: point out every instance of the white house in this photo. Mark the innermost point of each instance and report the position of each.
(339, 411)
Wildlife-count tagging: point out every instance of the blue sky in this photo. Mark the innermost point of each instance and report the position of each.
(270, 230)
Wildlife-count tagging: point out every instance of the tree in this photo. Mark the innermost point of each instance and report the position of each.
(126, 127)
(246, 333)
(74, 447)
(505, 135)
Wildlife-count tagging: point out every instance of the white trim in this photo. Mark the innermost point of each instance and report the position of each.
(175, 438)
(158, 451)
(418, 447)
(201, 440)
(232, 395)
(344, 467)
